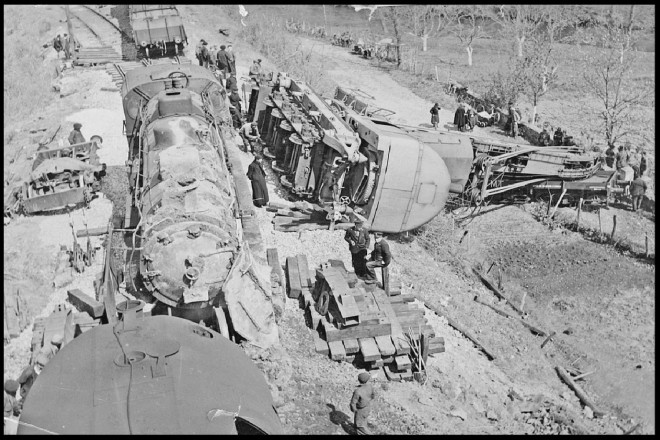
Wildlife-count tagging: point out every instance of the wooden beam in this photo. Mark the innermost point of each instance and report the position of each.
(320, 345)
(533, 328)
(360, 331)
(463, 331)
(579, 391)
(496, 291)
(351, 346)
(293, 277)
(385, 345)
(337, 351)
(369, 349)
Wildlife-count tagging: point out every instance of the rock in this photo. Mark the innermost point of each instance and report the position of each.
(436, 384)
(588, 413)
(568, 331)
(287, 407)
(458, 413)
(491, 415)
(451, 390)
(478, 407)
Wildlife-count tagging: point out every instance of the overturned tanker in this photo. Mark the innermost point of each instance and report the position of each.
(149, 375)
(193, 258)
(347, 163)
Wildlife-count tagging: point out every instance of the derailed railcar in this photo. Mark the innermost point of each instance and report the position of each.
(331, 155)
(149, 375)
(157, 30)
(60, 178)
(193, 258)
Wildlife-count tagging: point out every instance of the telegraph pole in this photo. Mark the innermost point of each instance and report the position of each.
(68, 22)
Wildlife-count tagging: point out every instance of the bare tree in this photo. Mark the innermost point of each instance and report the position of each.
(610, 81)
(467, 27)
(426, 21)
(537, 71)
(396, 17)
(518, 21)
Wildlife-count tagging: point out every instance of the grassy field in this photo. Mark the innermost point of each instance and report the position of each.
(566, 103)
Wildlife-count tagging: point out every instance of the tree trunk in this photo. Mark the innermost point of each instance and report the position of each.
(520, 41)
(425, 42)
(534, 114)
(469, 52)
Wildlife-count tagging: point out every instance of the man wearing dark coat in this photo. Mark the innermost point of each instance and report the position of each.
(358, 243)
(235, 100)
(361, 402)
(231, 59)
(232, 83)
(257, 176)
(76, 137)
(222, 62)
(459, 118)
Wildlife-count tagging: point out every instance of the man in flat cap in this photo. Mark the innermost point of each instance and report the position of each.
(360, 405)
(76, 137)
(30, 373)
(358, 243)
(380, 257)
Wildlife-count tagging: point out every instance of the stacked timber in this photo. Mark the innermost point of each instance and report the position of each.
(91, 56)
(356, 322)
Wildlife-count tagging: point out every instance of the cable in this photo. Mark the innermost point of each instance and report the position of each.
(130, 380)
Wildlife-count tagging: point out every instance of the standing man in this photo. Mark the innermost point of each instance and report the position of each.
(205, 54)
(255, 70)
(236, 118)
(514, 119)
(221, 61)
(250, 133)
(198, 52)
(57, 45)
(76, 137)
(231, 59)
(435, 118)
(257, 176)
(380, 257)
(637, 190)
(621, 158)
(232, 83)
(360, 404)
(30, 373)
(358, 243)
(235, 100)
(642, 163)
(610, 156)
(213, 56)
(67, 46)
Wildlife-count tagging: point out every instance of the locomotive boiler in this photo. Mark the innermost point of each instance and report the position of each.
(192, 256)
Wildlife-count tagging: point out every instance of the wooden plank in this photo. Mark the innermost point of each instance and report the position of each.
(337, 352)
(91, 232)
(410, 313)
(293, 277)
(306, 298)
(320, 346)
(369, 349)
(579, 391)
(398, 339)
(496, 291)
(360, 331)
(303, 270)
(86, 303)
(315, 318)
(402, 362)
(533, 328)
(273, 259)
(403, 298)
(351, 346)
(385, 345)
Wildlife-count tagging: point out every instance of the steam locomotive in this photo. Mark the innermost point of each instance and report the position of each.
(193, 258)
(157, 30)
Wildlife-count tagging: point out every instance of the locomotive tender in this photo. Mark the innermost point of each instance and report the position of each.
(157, 30)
